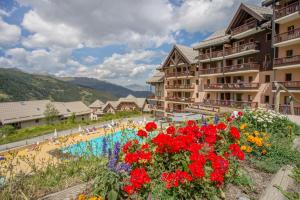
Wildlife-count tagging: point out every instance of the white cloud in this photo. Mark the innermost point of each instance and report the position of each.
(97, 23)
(9, 33)
(90, 59)
(207, 15)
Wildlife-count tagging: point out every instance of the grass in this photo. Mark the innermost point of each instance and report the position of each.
(27, 133)
(52, 178)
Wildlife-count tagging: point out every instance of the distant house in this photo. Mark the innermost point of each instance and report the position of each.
(31, 113)
(96, 109)
(128, 103)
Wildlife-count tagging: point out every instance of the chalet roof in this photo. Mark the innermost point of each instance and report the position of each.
(187, 52)
(130, 98)
(11, 112)
(218, 37)
(158, 77)
(97, 104)
(258, 12)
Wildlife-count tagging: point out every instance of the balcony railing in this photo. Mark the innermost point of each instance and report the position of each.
(155, 97)
(231, 103)
(180, 86)
(282, 37)
(292, 60)
(235, 86)
(185, 73)
(181, 99)
(244, 27)
(241, 67)
(242, 48)
(286, 109)
(287, 10)
(289, 85)
(156, 107)
(214, 54)
(210, 70)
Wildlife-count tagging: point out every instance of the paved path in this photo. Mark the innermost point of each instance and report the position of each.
(42, 138)
(295, 119)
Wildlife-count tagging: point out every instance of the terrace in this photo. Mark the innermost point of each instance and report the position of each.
(231, 103)
(213, 56)
(287, 38)
(154, 97)
(291, 61)
(242, 50)
(181, 99)
(288, 13)
(181, 86)
(232, 86)
(245, 30)
(180, 74)
(205, 72)
(253, 67)
(291, 85)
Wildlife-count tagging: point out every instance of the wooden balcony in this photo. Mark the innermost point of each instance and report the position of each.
(153, 97)
(210, 71)
(290, 35)
(244, 27)
(292, 60)
(232, 86)
(242, 48)
(291, 85)
(180, 86)
(231, 103)
(178, 74)
(214, 54)
(181, 99)
(241, 67)
(290, 9)
(156, 107)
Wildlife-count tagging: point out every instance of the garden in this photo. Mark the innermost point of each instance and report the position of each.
(225, 159)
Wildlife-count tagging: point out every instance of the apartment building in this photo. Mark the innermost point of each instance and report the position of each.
(157, 101)
(236, 62)
(180, 84)
(286, 43)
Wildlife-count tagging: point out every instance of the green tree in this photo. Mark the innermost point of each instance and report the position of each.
(6, 130)
(51, 113)
(72, 118)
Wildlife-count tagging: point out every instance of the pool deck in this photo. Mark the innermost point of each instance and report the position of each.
(39, 153)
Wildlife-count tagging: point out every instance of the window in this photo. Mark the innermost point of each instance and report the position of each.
(287, 100)
(288, 77)
(250, 79)
(267, 99)
(251, 40)
(291, 29)
(289, 53)
(197, 95)
(208, 96)
(268, 36)
(37, 121)
(197, 82)
(267, 78)
(208, 81)
(240, 61)
(250, 59)
(239, 97)
(249, 98)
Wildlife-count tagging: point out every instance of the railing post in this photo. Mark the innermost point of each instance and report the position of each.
(292, 107)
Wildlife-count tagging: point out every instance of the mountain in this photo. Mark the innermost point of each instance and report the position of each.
(16, 85)
(137, 87)
(116, 90)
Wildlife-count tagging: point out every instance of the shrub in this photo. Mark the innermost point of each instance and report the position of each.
(7, 130)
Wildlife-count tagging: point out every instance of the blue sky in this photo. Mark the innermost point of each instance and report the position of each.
(118, 41)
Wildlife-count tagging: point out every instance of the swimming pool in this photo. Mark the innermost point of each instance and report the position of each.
(94, 146)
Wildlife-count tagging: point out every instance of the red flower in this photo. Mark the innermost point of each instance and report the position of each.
(234, 132)
(229, 119)
(173, 179)
(221, 126)
(138, 156)
(197, 169)
(191, 123)
(139, 177)
(142, 133)
(145, 146)
(127, 146)
(129, 189)
(171, 130)
(236, 151)
(150, 126)
(240, 113)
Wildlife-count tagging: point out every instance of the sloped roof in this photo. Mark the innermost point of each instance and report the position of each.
(97, 104)
(187, 52)
(11, 112)
(158, 77)
(258, 12)
(215, 38)
(268, 2)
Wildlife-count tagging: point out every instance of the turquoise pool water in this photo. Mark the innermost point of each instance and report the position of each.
(95, 146)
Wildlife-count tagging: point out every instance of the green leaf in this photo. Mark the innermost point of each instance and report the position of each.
(112, 195)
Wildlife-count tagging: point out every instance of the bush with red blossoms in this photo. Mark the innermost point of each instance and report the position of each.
(190, 162)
